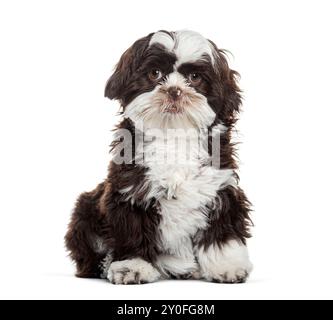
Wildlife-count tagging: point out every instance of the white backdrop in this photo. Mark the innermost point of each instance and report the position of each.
(55, 128)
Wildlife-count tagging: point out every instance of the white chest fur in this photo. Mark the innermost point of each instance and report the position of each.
(183, 185)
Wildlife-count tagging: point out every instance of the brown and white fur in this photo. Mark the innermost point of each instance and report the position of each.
(152, 220)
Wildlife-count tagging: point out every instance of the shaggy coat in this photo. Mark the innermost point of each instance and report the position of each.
(137, 226)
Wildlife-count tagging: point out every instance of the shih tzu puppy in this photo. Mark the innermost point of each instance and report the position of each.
(170, 206)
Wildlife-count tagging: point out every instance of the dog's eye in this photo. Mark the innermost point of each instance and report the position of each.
(155, 74)
(194, 78)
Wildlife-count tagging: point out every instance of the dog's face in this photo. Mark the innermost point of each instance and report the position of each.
(175, 80)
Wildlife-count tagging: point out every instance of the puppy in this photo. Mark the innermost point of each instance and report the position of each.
(170, 206)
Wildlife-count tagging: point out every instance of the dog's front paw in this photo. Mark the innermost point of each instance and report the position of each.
(132, 271)
(228, 263)
(231, 276)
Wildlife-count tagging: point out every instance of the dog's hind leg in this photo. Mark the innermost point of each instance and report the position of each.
(82, 240)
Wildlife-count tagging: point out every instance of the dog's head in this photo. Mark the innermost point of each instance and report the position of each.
(175, 80)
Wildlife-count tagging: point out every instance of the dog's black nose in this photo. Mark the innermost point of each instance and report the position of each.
(174, 92)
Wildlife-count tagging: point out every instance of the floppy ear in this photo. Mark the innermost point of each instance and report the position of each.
(127, 65)
(230, 94)
(119, 78)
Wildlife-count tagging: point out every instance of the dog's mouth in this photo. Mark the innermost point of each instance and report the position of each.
(172, 109)
(173, 106)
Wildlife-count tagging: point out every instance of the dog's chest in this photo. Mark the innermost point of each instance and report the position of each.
(183, 188)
